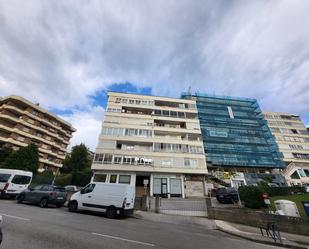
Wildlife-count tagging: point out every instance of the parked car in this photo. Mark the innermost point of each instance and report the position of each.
(110, 198)
(70, 188)
(227, 195)
(1, 220)
(13, 182)
(44, 195)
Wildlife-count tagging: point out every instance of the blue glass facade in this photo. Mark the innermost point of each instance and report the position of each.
(235, 133)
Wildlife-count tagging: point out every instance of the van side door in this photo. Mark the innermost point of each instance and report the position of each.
(87, 197)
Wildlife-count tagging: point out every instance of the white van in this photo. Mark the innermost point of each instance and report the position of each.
(13, 181)
(110, 198)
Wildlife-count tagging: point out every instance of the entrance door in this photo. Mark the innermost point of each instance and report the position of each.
(160, 187)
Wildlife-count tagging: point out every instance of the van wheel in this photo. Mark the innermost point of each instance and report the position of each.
(43, 203)
(111, 212)
(73, 205)
(20, 198)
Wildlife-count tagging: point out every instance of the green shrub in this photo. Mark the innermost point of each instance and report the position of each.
(63, 180)
(251, 196)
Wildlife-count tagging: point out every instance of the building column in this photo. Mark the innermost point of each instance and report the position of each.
(183, 186)
(151, 185)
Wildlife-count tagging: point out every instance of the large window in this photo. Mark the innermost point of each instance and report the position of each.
(108, 158)
(99, 178)
(125, 179)
(113, 179)
(190, 163)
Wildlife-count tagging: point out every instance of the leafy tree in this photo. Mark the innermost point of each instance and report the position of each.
(77, 160)
(4, 153)
(26, 158)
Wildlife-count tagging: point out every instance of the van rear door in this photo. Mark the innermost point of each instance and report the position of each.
(4, 178)
(19, 183)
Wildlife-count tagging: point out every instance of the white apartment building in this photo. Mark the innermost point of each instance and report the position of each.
(153, 143)
(293, 140)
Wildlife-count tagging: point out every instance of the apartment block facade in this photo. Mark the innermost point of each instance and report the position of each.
(153, 143)
(293, 139)
(23, 123)
(239, 145)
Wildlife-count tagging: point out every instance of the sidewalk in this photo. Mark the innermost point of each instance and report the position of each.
(245, 232)
(254, 234)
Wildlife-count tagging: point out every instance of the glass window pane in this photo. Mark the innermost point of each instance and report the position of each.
(125, 179)
(113, 179)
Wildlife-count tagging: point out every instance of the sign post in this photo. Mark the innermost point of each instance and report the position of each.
(265, 197)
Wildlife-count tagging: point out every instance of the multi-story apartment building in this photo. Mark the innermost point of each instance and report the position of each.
(151, 141)
(238, 143)
(293, 139)
(22, 123)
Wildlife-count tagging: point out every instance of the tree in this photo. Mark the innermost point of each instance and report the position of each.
(77, 160)
(26, 158)
(4, 153)
(77, 164)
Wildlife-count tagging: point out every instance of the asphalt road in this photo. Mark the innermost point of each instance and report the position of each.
(30, 227)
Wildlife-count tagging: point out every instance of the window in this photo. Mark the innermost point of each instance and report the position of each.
(157, 112)
(137, 102)
(173, 114)
(117, 159)
(98, 158)
(124, 179)
(124, 101)
(99, 178)
(88, 189)
(20, 179)
(294, 131)
(4, 177)
(166, 113)
(128, 160)
(131, 101)
(108, 158)
(181, 114)
(113, 179)
(118, 100)
(190, 163)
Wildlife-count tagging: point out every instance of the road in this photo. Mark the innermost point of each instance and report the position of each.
(30, 227)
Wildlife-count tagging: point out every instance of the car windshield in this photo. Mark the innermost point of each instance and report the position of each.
(4, 177)
(231, 190)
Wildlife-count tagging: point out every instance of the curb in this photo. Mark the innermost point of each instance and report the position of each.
(261, 241)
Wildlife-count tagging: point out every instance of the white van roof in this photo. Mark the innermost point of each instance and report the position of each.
(16, 171)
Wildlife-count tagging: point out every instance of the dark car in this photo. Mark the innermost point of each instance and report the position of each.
(227, 195)
(44, 195)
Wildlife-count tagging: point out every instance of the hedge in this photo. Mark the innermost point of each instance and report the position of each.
(251, 196)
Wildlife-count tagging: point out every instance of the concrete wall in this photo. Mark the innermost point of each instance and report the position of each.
(238, 215)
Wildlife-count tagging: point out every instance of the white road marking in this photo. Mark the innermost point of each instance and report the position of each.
(15, 217)
(123, 239)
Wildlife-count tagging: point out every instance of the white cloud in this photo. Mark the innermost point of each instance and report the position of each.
(60, 53)
(88, 125)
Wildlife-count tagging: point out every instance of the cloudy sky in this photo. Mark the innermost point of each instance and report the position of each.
(67, 54)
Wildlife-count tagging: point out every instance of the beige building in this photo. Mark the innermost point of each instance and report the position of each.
(22, 123)
(293, 141)
(153, 143)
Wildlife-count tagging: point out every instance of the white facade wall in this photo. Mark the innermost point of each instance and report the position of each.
(154, 136)
(292, 138)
